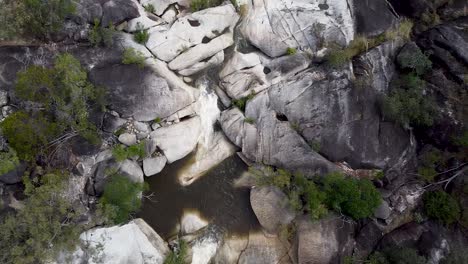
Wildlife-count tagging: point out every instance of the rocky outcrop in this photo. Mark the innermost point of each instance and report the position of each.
(115, 12)
(271, 141)
(142, 245)
(271, 206)
(178, 140)
(152, 166)
(196, 41)
(327, 241)
(373, 17)
(274, 26)
(262, 249)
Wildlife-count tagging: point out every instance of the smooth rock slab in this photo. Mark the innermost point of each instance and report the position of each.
(132, 170)
(191, 30)
(133, 243)
(128, 139)
(271, 206)
(178, 140)
(201, 52)
(152, 166)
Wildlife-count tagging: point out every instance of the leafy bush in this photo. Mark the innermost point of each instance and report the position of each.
(356, 198)
(178, 255)
(407, 104)
(36, 18)
(415, 61)
(197, 5)
(291, 51)
(121, 153)
(440, 206)
(45, 226)
(8, 161)
(242, 102)
(428, 161)
(132, 56)
(141, 35)
(63, 94)
(28, 135)
(101, 36)
(149, 8)
(121, 198)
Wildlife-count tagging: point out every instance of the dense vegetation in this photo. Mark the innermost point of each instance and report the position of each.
(357, 198)
(442, 207)
(101, 36)
(59, 101)
(8, 161)
(45, 224)
(121, 198)
(121, 153)
(33, 18)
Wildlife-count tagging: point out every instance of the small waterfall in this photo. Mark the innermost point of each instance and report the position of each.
(207, 108)
(213, 147)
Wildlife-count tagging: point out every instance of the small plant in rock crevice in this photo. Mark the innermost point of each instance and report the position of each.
(141, 34)
(132, 56)
(291, 51)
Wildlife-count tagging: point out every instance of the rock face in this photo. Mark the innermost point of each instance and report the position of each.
(326, 241)
(262, 249)
(274, 26)
(116, 11)
(139, 93)
(192, 30)
(271, 206)
(142, 245)
(373, 17)
(152, 166)
(178, 140)
(272, 142)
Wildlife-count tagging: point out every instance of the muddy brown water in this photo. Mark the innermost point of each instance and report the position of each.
(213, 196)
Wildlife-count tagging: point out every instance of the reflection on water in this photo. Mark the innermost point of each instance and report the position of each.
(213, 196)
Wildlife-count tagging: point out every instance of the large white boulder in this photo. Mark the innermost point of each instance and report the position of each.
(274, 26)
(192, 30)
(178, 140)
(133, 243)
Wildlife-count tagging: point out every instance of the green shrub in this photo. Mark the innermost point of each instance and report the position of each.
(35, 18)
(121, 153)
(178, 255)
(357, 198)
(291, 51)
(46, 225)
(415, 61)
(407, 105)
(313, 197)
(197, 5)
(8, 161)
(440, 206)
(29, 135)
(149, 8)
(242, 102)
(141, 35)
(132, 56)
(101, 36)
(121, 198)
(63, 95)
